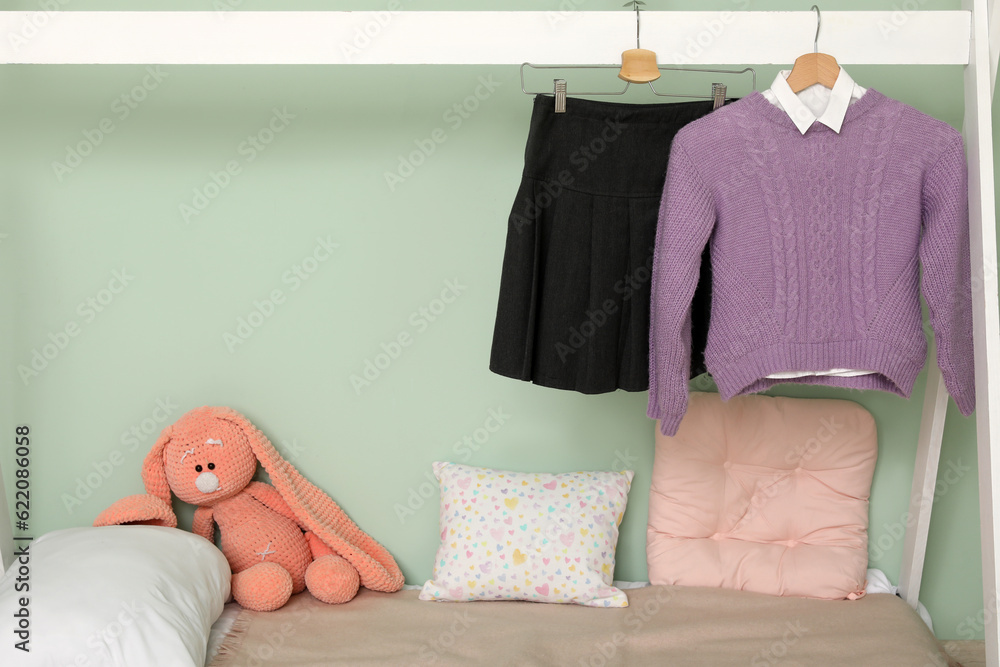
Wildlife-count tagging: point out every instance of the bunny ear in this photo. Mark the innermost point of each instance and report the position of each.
(318, 513)
(154, 474)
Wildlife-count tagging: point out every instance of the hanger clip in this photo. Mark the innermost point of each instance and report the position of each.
(718, 95)
(560, 92)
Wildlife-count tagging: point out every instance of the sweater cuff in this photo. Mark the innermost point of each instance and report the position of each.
(669, 423)
(966, 402)
(668, 414)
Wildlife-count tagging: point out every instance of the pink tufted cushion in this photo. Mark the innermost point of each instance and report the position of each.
(764, 494)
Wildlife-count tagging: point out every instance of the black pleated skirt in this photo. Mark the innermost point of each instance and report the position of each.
(573, 310)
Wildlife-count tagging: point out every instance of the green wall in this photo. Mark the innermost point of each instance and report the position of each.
(162, 339)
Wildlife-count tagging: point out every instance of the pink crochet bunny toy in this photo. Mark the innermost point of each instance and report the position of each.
(278, 539)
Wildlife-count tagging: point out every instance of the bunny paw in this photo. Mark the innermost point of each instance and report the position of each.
(332, 580)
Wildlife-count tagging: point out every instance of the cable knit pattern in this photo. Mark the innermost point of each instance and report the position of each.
(864, 214)
(763, 151)
(839, 220)
(824, 311)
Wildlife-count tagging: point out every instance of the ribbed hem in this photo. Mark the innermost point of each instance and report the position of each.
(966, 404)
(668, 391)
(892, 371)
(669, 424)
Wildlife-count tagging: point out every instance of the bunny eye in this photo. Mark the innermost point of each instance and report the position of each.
(197, 468)
(211, 466)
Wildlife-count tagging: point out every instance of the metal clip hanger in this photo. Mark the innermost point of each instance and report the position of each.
(561, 84)
(560, 94)
(638, 66)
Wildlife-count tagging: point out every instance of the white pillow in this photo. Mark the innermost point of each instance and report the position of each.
(127, 596)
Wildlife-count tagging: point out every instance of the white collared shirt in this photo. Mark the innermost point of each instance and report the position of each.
(815, 103)
(827, 106)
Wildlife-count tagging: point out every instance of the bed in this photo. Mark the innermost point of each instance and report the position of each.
(663, 625)
(146, 595)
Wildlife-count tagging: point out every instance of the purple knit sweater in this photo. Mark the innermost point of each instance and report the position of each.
(816, 244)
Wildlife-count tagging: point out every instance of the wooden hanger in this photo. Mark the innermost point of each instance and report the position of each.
(638, 65)
(815, 67)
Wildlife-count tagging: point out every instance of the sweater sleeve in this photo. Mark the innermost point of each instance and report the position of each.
(685, 222)
(947, 275)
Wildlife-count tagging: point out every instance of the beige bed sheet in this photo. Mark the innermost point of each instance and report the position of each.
(663, 625)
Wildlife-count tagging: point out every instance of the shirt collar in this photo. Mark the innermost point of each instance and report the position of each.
(801, 115)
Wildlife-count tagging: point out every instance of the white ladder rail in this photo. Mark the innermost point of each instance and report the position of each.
(978, 129)
(925, 471)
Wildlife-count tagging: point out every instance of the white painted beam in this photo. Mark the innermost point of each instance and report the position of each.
(495, 37)
(978, 130)
(924, 479)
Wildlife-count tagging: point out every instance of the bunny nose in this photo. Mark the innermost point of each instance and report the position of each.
(207, 482)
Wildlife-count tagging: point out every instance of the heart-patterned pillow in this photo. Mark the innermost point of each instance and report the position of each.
(526, 536)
